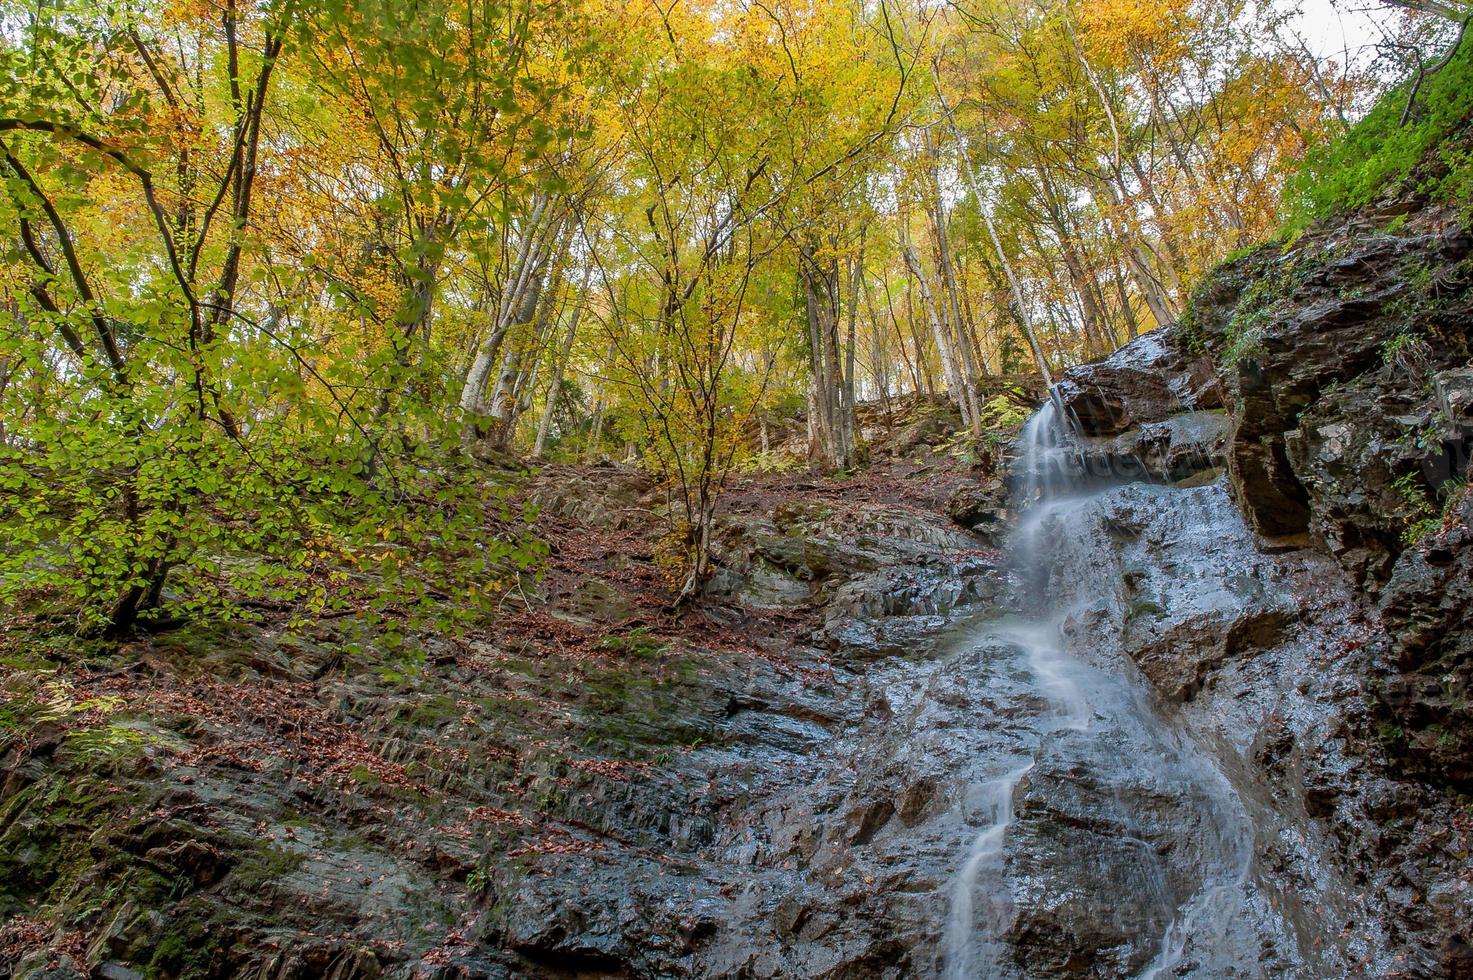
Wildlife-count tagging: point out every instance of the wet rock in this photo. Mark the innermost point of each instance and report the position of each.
(906, 610)
(917, 800)
(805, 551)
(1349, 452)
(1168, 450)
(1147, 380)
(1348, 399)
(1454, 393)
(869, 821)
(43, 965)
(1182, 659)
(1341, 334)
(1070, 859)
(568, 927)
(205, 864)
(1428, 609)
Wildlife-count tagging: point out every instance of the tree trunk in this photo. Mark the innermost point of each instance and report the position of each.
(1020, 303)
(826, 365)
(555, 381)
(1138, 260)
(856, 273)
(951, 309)
(503, 407)
(1127, 308)
(943, 347)
(514, 308)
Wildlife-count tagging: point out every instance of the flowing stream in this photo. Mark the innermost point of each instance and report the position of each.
(1102, 814)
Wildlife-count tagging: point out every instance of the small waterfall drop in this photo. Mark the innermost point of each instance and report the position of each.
(1092, 730)
(963, 958)
(1047, 457)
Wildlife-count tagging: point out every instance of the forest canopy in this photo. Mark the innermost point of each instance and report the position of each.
(282, 280)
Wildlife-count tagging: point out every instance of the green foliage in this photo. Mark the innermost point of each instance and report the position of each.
(1001, 412)
(93, 731)
(480, 881)
(107, 742)
(115, 490)
(1190, 331)
(194, 429)
(116, 493)
(1422, 441)
(1379, 152)
(1251, 317)
(1420, 514)
(1406, 352)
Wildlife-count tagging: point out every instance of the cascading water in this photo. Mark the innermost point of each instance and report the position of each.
(1048, 459)
(1165, 853)
(963, 958)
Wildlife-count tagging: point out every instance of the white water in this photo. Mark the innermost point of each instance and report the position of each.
(1047, 460)
(971, 944)
(1101, 722)
(963, 958)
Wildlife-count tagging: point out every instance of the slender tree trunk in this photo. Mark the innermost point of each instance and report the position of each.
(918, 344)
(1138, 259)
(856, 274)
(879, 354)
(881, 339)
(833, 380)
(1168, 264)
(555, 380)
(1020, 303)
(1127, 308)
(1081, 279)
(831, 430)
(503, 404)
(512, 309)
(943, 347)
(951, 310)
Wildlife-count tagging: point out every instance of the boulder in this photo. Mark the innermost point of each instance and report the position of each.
(980, 507)
(1148, 380)
(1169, 450)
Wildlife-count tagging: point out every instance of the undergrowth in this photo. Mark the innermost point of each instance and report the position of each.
(1381, 152)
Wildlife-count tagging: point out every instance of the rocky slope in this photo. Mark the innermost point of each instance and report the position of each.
(590, 785)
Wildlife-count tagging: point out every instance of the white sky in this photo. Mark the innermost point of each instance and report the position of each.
(1334, 28)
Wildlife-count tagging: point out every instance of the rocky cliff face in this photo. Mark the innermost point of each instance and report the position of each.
(1347, 416)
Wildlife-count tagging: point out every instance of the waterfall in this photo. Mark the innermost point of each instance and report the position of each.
(1095, 725)
(1047, 456)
